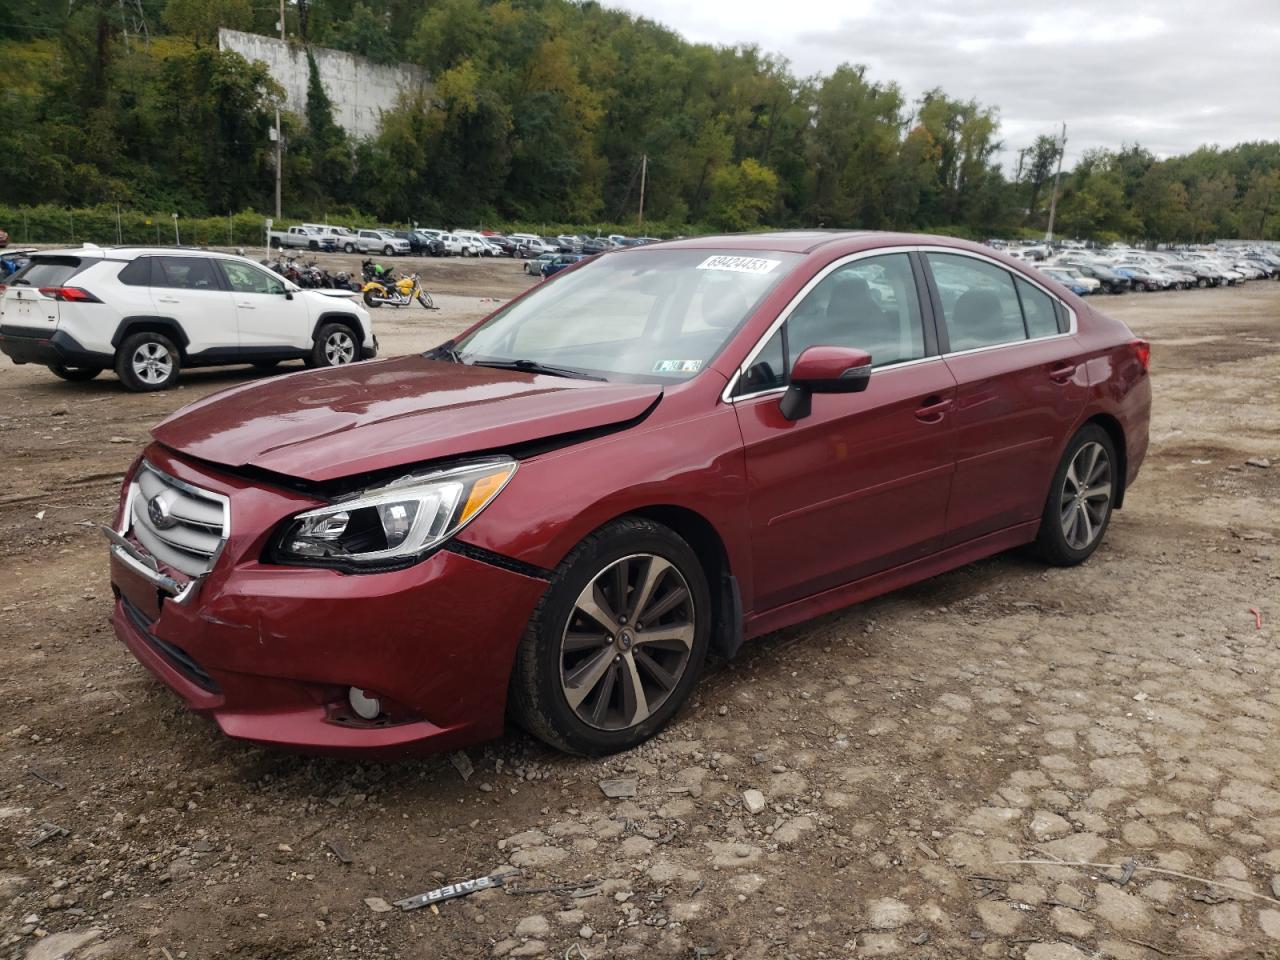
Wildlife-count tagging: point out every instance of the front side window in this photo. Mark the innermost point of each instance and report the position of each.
(869, 304)
(645, 315)
(979, 301)
(244, 278)
(185, 273)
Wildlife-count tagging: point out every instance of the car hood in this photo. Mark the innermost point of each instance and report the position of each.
(322, 425)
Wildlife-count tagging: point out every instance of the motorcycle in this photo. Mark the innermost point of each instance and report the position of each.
(397, 293)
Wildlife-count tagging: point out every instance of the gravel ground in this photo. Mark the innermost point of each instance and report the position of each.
(868, 784)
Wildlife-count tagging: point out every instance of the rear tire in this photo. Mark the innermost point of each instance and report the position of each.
(148, 361)
(335, 346)
(372, 302)
(621, 672)
(74, 374)
(1078, 508)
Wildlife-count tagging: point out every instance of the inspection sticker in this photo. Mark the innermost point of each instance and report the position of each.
(677, 366)
(739, 264)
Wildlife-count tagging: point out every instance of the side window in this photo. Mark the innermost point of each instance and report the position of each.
(137, 273)
(1037, 308)
(246, 279)
(869, 304)
(768, 370)
(185, 273)
(978, 301)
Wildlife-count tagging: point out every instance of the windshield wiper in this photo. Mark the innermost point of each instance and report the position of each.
(533, 366)
(444, 352)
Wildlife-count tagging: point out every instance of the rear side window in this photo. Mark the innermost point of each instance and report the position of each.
(137, 274)
(47, 272)
(979, 302)
(185, 273)
(1037, 307)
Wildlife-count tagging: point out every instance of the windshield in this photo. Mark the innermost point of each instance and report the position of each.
(643, 315)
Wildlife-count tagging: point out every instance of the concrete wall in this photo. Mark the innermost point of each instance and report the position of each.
(360, 90)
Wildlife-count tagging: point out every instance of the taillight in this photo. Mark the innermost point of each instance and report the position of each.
(1142, 350)
(69, 294)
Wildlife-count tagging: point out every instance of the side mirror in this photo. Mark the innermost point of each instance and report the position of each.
(824, 370)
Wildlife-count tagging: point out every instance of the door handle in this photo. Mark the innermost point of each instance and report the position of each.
(167, 300)
(933, 409)
(245, 306)
(1062, 372)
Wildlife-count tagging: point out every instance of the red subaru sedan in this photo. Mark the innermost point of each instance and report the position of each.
(654, 456)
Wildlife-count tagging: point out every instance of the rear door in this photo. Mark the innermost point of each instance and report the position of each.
(861, 484)
(268, 319)
(191, 291)
(1021, 388)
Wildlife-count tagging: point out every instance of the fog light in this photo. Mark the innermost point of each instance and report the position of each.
(364, 706)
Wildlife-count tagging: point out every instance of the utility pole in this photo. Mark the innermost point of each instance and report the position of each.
(644, 170)
(1057, 177)
(279, 135)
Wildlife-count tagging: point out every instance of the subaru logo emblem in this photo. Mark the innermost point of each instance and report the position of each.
(159, 512)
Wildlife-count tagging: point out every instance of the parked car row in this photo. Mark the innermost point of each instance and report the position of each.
(1122, 269)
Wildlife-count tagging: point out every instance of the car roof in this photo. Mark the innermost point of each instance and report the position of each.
(809, 241)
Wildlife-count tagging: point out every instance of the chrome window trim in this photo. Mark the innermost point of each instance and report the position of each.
(726, 396)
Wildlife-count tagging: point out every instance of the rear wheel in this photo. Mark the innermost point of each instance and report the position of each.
(148, 361)
(335, 346)
(617, 641)
(1080, 499)
(371, 301)
(74, 374)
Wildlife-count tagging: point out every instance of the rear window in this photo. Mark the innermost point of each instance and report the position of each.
(47, 272)
(138, 273)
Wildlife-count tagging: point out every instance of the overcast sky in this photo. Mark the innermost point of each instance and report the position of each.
(1171, 75)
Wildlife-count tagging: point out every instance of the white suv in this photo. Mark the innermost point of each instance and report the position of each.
(149, 311)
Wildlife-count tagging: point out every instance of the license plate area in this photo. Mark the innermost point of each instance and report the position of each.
(139, 591)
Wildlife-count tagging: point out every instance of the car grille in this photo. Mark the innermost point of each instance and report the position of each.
(182, 526)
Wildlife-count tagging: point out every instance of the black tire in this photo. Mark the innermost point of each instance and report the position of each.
(74, 374)
(537, 698)
(336, 345)
(140, 376)
(1202, 283)
(1052, 543)
(387, 250)
(275, 242)
(266, 364)
(424, 298)
(371, 302)
(348, 248)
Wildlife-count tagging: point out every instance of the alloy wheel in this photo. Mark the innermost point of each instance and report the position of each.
(339, 348)
(1086, 496)
(152, 363)
(627, 642)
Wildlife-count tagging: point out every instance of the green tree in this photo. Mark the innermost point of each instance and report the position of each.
(741, 195)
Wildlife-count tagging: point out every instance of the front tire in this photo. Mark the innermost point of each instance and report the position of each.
(387, 250)
(1078, 509)
(424, 298)
(148, 361)
(617, 641)
(348, 248)
(335, 346)
(74, 374)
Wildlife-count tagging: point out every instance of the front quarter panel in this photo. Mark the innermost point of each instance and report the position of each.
(555, 500)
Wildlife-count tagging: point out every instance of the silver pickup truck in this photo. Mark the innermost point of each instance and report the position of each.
(303, 238)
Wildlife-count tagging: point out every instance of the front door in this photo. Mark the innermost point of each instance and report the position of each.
(861, 484)
(269, 320)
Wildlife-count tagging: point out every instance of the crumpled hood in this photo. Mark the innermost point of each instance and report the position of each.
(326, 424)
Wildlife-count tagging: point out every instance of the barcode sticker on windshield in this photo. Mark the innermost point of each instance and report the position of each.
(739, 264)
(677, 366)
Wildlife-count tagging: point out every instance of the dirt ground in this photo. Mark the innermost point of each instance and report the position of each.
(907, 749)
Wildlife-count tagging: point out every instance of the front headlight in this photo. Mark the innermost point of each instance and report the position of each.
(393, 525)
